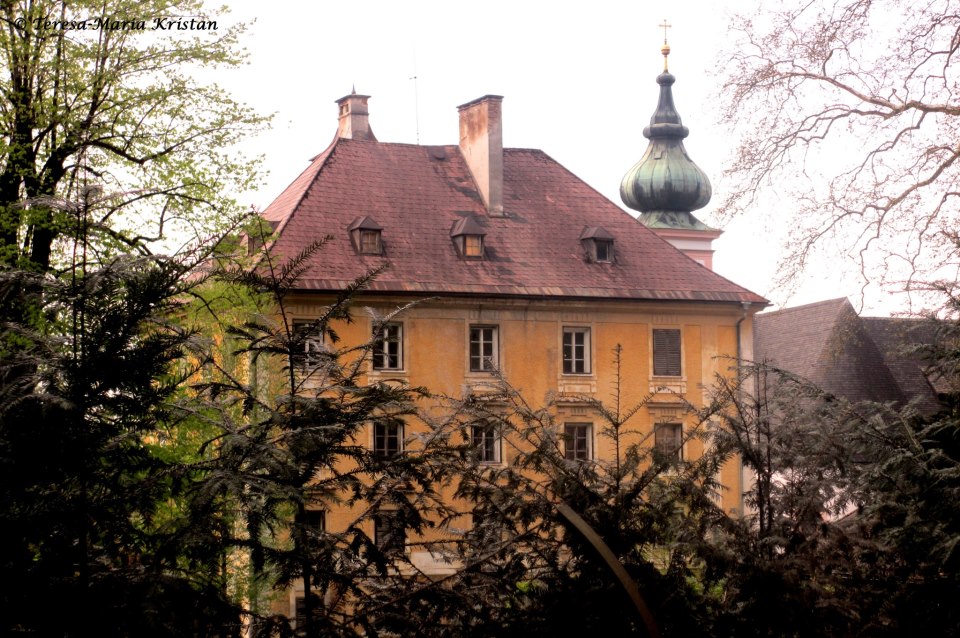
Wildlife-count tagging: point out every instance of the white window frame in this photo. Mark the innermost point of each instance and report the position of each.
(313, 345)
(587, 347)
(488, 434)
(381, 441)
(380, 354)
(572, 437)
(485, 363)
(473, 246)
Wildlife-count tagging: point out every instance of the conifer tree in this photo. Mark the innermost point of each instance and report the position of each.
(527, 569)
(92, 546)
(292, 446)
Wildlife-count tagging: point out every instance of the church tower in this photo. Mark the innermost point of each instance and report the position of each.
(665, 186)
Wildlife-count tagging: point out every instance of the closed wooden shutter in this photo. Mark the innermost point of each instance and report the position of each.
(666, 352)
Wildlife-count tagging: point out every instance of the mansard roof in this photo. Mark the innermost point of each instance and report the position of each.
(418, 193)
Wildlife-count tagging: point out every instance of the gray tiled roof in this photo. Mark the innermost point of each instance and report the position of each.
(859, 358)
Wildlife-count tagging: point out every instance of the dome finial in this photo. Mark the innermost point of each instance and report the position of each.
(666, 186)
(665, 49)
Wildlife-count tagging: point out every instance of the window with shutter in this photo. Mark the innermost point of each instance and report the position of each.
(300, 610)
(389, 533)
(666, 352)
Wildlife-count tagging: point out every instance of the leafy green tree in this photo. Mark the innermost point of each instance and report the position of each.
(88, 99)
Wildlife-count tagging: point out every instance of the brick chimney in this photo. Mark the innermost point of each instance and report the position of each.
(354, 118)
(481, 142)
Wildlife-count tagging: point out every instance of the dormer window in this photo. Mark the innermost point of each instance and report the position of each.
(598, 244)
(370, 242)
(366, 236)
(473, 246)
(468, 238)
(604, 249)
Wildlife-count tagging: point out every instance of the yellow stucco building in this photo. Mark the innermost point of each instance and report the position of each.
(521, 268)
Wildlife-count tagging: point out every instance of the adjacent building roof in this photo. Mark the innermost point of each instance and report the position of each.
(418, 193)
(859, 358)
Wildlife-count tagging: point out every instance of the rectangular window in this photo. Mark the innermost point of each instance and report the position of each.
(484, 348)
(300, 611)
(308, 344)
(370, 242)
(473, 245)
(666, 352)
(388, 349)
(389, 533)
(604, 250)
(315, 521)
(576, 350)
(577, 441)
(668, 440)
(486, 443)
(387, 439)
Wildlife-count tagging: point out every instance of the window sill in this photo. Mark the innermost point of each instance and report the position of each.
(668, 385)
(382, 374)
(577, 384)
(481, 383)
(480, 374)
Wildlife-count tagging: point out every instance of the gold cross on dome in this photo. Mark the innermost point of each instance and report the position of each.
(665, 26)
(665, 49)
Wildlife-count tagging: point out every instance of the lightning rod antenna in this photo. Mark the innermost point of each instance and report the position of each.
(416, 96)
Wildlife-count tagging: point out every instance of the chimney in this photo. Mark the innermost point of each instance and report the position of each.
(481, 142)
(354, 118)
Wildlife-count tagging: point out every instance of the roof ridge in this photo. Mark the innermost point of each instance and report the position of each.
(807, 306)
(913, 318)
(833, 332)
(407, 144)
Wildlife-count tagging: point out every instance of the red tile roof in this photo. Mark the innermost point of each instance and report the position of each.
(418, 193)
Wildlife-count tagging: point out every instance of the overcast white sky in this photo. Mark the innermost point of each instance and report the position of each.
(578, 81)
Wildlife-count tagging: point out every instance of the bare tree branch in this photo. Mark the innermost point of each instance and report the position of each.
(847, 117)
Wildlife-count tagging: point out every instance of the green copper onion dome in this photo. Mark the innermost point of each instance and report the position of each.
(665, 185)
